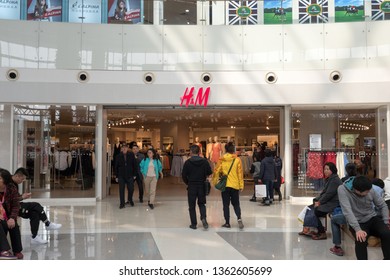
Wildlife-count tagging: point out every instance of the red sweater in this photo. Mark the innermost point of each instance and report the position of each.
(11, 202)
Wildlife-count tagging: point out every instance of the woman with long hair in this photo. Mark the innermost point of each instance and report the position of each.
(151, 169)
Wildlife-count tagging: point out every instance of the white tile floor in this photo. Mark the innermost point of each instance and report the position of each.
(100, 230)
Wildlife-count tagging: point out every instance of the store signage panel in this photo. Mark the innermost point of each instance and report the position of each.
(10, 9)
(195, 97)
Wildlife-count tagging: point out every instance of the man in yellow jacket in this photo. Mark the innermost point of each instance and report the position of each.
(235, 183)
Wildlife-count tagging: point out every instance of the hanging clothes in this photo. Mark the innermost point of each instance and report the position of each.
(330, 157)
(315, 162)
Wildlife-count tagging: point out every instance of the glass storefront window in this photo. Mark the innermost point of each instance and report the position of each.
(56, 145)
(338, 136)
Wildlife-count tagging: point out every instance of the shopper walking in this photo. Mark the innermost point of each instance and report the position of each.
(278, 182)
(139, 178)
(151, 169)
(235, 183)
(125, 172)
(268, 175)
(32, 210)
(195, 172)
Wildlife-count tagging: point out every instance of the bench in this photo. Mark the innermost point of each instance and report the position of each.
(373, 241)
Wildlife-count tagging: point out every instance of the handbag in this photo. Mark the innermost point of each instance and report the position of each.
(207, 187)
(221, 185)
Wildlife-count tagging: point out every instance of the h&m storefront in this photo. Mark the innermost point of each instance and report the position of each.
(68, 144)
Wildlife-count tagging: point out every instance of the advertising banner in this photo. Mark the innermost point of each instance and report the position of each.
(278, 12)
(380, 10)
(10, 9)
(349, 10)
(313, 11)
(242, 13)
(44, 10)
(124, 11)
(86, 11)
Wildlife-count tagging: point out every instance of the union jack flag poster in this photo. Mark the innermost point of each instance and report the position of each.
(380, 10)
(242, 13)
(313, 11)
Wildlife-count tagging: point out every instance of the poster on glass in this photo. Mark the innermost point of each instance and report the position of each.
(349, 10)
(278, 12)
(124, 11)
(315, 142)
(10, 9)
(44, 10)
(85, 11)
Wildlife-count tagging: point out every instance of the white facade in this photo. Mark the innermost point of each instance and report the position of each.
(48, 58)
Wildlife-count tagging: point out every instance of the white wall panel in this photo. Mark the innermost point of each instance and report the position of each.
(59, 45)
(143, 47)
(303, 46)
(378, 44)
(19, 44)
(182, 47)
(102, 47)
(345, 45)
(223, 48)
(263, 47)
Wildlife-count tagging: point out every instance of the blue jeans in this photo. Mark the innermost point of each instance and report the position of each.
(336, 222)
(270, 189)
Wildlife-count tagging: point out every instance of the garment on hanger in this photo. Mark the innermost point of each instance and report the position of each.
(315, 163)
(216, 152)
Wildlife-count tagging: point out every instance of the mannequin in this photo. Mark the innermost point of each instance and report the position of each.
(209, 147)
(216, 151)
(116, 148)
(197, 142)
(108, 147)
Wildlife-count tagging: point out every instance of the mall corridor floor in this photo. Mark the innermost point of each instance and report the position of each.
(100, 230)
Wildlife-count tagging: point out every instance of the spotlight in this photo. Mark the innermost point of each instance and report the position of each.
(335, 76)
(271, 78)
(148, 78)
(206, 78)
(82, 77)
(12, 75)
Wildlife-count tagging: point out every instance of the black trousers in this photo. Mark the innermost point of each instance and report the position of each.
(375, 227)
(231, 195)
(4, 245)
(35, 213)
(196, 192)
(140, 184)
(123, 182)
(319, 214)
(14, 234)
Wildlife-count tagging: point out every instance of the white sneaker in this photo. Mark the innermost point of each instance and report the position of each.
(37, 241)
(53, 226)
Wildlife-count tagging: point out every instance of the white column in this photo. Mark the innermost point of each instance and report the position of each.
(383, 141)
(285, 120)
(158, 12)
(100, 159)
(203, 15)
(6, 137)
(218, 12)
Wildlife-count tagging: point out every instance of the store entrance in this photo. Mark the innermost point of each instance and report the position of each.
(171, 132)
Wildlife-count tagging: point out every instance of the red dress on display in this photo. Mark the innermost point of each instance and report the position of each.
(216, 152)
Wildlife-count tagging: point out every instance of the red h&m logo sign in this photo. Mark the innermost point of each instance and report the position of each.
(201, 98)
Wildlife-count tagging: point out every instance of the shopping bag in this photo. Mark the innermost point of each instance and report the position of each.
(310, 219)
(261, 190)
(302, 214)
